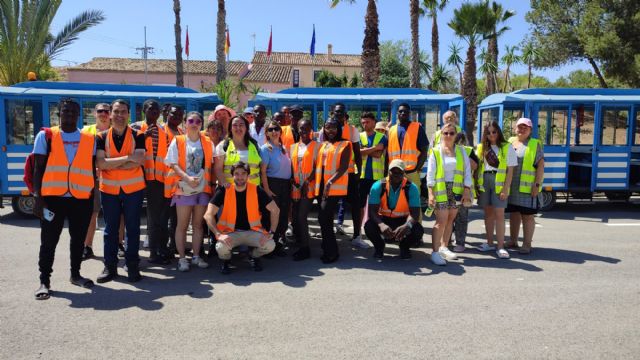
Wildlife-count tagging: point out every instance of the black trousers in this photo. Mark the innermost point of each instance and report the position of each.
(78, 213)
(325, 217)
(173, 222)
(300, 211)
(373, 233)
(353, 198)
(282, 189)
(157, 218)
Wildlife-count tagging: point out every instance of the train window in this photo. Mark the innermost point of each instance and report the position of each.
(23, 121)
(615, 123)
(88, 113)
(636, 132)
(54, 118)
(552, 126)
(487, 115)
(582, 126)
(432, 120)
(509, 119)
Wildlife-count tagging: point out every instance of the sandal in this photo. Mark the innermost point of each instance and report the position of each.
(486, 247)
(524, 250)
(43, 292)
(82, 282)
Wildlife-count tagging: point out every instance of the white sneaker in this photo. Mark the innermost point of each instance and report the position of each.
(447, 254)
(340, 229)
(183, 264)
(359, 243)
(486, 247)
(197, 261)
(437, 259)
(145, 244)
(502, 253)
(289, 231)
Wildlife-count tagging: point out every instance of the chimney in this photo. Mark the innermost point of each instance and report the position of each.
(329, 51)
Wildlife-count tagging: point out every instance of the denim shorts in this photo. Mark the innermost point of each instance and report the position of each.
(191, 200)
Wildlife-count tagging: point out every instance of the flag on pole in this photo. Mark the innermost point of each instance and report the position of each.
(270, 43)
(186, 43)
(227, 44)
(312, 48)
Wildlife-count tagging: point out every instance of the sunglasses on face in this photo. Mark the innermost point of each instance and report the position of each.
(194, 121)
(102, 111)
(492, 132)
(273, 129)
(448, 133)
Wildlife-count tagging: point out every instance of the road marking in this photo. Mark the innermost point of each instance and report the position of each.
(624, 224)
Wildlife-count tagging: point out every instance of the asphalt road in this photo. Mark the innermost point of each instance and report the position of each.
(577, 296)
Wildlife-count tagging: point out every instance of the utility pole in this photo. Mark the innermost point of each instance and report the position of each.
(254, 43)
(146, 50)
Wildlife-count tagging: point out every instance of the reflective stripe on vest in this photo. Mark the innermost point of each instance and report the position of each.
(469, 150)
(377, 164)
(170, 178)
(346, 135)
(409, 151)
(232, 157)
(528, 174)
(501, 175)
(170, 187)
(154, 168)
(440, 187)
(227, 222)
(329, 162)
(129, 180)
(402, 205)
(302, 168)
(287, 137)
(76, 178)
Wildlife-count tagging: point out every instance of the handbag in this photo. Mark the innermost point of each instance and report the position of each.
(187, 189)
(492, 158)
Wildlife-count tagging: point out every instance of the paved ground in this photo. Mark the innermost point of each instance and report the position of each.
(577, 296)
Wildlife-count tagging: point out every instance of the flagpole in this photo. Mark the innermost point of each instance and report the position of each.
(271, 59)
(187, 65)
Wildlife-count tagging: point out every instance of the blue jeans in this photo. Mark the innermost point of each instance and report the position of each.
(113, 206)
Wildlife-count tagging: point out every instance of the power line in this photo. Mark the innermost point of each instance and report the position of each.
(146, 50)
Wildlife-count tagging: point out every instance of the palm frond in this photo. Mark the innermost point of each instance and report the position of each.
(72, 30)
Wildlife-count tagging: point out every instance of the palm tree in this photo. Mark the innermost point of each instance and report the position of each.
(530, 54)
(25, 42)
(456, 60)
(370, 44)
(430, 8)
(509, 58)
(178, 35)
(221, 27)
(414, 13)
(498, 16)
(440, 78)
(487, 67)
(471, 22)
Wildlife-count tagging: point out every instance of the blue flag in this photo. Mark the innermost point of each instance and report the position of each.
(312, 48)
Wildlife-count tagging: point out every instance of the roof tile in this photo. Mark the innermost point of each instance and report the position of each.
(156, 65)
(298, 58)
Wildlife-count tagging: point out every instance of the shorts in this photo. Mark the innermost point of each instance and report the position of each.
(452, 199)
(96, 199)
(488, 197)
(365, 189)
(521, 209)
(191, 200)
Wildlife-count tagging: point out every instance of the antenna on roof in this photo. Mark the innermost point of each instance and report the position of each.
(146, 50)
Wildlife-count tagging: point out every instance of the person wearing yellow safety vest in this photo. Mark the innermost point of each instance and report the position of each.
(119, 157)
(156, 145)
(64, 178)
(461, 223)
(103, 122)
(190, 157)
(394, 208)
(372, 147)
(239, 146)
(527, 179)
(448, 117)
(240, 222)
(493, 179)
(331, 183)
(449, 182)
(304, 157)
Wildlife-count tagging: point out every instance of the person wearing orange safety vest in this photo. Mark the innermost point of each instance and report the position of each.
(304, 157)
(290, 134)
(394, 208)
(64, 178)
(174, 118)
(156, 145)
(331, 183)
(120, 155)
(240, 222)
(408, 141)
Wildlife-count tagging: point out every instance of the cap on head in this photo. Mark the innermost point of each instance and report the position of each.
(381, 125)
(524, 121)
(221, 107)
(248, 110)
(296, 108)
(397, 163)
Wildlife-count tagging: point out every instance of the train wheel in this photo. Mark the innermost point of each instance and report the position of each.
(23, 205)
(547, 200)
(618, 195)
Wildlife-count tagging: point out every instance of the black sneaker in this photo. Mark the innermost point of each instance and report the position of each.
(279, 250)
(87, 253)
(133, 272)
(405, 254)
(302, 254)
(255, 264)
(226, 267)
(107, 275)
(378, 254)
(121, 251)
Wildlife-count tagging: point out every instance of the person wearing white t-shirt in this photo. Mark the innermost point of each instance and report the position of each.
(494, 182)
(257, 127)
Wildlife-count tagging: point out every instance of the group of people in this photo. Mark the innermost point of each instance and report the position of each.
(245, 181)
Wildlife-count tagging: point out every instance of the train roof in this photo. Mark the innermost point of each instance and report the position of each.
(565, 95)
(354, 95)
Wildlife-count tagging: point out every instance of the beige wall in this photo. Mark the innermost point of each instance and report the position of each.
(306, 72)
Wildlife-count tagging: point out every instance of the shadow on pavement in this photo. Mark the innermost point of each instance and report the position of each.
(601, 212)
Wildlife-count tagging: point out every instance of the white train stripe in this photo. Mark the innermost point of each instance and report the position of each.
(603, 185)
(554, 175)
(554, 164)
(546, 154)
(558, 185)
(15, 166)
(613, 164)
(605, 155)
(17, 155)
(17, 188)
(612, 175)
(16, 177)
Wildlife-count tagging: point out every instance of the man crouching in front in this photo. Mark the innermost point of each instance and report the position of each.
(240, 223)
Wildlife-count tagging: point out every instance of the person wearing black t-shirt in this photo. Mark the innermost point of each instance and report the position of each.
(239, 222)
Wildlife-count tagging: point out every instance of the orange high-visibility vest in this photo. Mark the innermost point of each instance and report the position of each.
(61, 177)
(346, 135)
(302, 168)
(181, 143)
(170, 178)
(329, 160)
(154, 169)
(402, 205)
(409, 152)
(287, 137)
(129, 180)
(227, 222)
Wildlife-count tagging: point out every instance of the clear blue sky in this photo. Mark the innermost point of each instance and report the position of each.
(292, 22)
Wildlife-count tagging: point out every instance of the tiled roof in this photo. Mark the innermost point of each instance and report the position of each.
(298, 58)
(156, 65)
(265, 73)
